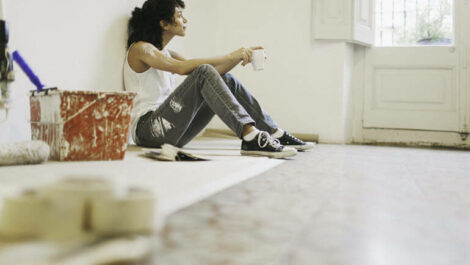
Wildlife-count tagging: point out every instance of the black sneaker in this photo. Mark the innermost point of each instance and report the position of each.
(265, 145)
(289, 140)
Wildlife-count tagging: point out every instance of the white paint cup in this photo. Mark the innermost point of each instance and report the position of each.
(258, 59)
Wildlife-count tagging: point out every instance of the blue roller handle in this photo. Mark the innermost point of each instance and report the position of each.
(28, 71)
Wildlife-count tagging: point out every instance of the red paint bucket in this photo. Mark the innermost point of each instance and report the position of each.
(82, 125)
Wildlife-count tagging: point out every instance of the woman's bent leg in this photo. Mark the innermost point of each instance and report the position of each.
(248, 101)
(170, 122)
(200, 121)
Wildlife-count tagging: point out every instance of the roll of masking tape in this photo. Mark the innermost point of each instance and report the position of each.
(23, 216)
(71, 200)
(132, 213)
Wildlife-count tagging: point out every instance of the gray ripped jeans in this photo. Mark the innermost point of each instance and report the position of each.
(193, 104)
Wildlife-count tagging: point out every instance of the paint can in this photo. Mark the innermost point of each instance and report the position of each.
(82, 125)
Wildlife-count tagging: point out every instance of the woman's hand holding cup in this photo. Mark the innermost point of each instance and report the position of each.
(246, 54)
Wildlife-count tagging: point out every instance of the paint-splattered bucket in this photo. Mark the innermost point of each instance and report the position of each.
(82, 125)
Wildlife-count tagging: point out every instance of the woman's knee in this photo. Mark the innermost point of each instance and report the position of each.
(206, 70)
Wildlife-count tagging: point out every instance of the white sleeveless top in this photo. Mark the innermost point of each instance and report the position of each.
(152, 87)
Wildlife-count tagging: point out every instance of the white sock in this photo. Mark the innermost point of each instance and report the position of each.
(278, 134)
(251, 135)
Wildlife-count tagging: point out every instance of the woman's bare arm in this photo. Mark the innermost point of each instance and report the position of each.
(177, 56)
(144, 55)
(227, 65)
(223, 67)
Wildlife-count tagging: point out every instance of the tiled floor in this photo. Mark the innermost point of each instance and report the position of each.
(335, 205)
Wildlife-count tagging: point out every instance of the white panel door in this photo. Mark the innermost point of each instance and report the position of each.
(421, 87)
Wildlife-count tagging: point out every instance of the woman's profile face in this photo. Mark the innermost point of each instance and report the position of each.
(178, 27)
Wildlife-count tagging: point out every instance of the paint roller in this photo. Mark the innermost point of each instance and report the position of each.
(22, 153)
(27, 152)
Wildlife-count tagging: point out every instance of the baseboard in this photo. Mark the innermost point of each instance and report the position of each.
(412, 138)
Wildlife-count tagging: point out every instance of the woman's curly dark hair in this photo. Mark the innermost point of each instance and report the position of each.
(144, 25)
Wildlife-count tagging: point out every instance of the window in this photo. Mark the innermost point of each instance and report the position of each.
(414, 22)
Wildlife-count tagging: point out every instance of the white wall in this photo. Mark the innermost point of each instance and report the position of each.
(80, 45)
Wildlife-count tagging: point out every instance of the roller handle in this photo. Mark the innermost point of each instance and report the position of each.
(28, 71)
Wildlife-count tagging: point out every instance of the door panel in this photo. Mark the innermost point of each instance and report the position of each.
(412, 88)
